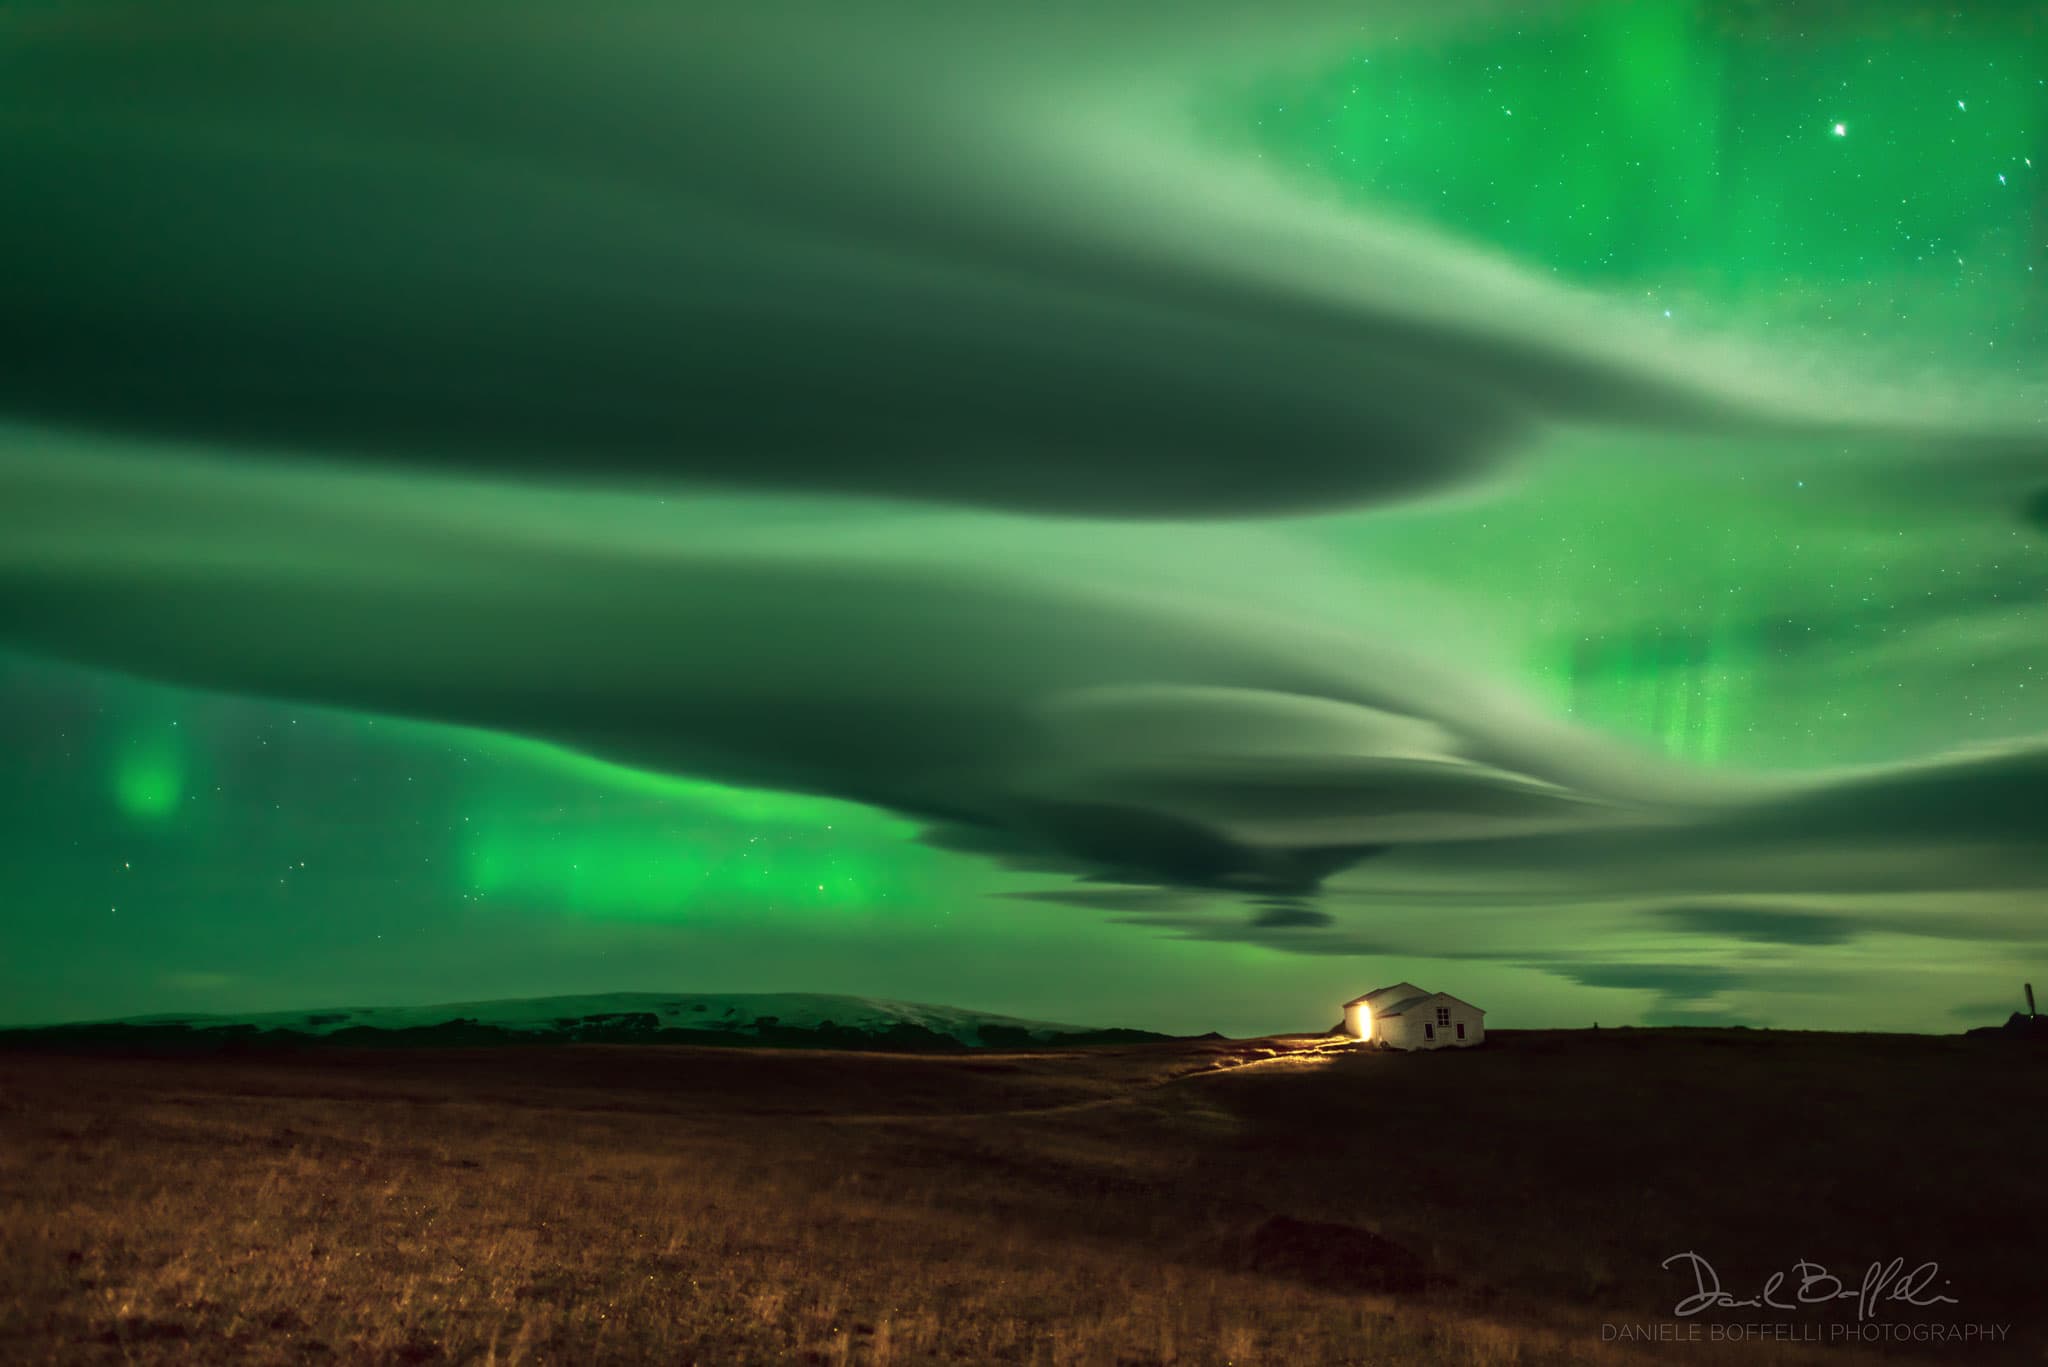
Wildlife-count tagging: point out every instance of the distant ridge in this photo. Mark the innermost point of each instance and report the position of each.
(788, 1020)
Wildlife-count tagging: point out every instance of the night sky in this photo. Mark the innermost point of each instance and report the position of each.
(1166, 516)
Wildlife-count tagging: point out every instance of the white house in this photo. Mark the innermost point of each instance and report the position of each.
(1404, 1016)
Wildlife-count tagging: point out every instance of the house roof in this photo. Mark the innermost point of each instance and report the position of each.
(1410, 988)
(1415, 998)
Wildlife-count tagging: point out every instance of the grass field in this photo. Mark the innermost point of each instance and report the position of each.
(1197, 1202)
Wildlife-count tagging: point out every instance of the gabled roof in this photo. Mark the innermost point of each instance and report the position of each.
(1415, 997)
(1405, 988)
(1381, 1012)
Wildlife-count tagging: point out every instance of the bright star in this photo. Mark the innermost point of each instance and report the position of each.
(1841, 130)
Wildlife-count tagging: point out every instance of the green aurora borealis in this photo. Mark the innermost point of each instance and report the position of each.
(1156, 518)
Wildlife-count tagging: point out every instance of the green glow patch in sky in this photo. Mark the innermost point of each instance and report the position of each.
(599, 839)
(149, 778)
(1760, 164)
(670, 875)
(725, 801)
(1754, 604)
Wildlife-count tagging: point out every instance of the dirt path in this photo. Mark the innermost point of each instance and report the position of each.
(1123, 1098)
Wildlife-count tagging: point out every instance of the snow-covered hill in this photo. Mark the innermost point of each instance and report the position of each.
(783, 1018)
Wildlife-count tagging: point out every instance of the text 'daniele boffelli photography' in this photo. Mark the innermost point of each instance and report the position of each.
(1090, 683)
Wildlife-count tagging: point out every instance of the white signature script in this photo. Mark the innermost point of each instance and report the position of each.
(1811, 1284)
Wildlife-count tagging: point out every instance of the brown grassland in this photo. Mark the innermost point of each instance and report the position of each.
(1195, 1202)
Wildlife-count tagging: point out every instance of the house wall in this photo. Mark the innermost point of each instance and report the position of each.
(1405, 1030)
(1356, 1023)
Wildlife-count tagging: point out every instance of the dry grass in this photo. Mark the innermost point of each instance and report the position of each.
(592, 1204)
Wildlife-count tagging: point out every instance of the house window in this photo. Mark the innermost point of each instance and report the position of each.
(1428, 1030)
(1461, 1029)
(1443, 1015)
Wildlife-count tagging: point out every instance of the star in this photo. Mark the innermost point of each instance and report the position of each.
(1841, 130)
